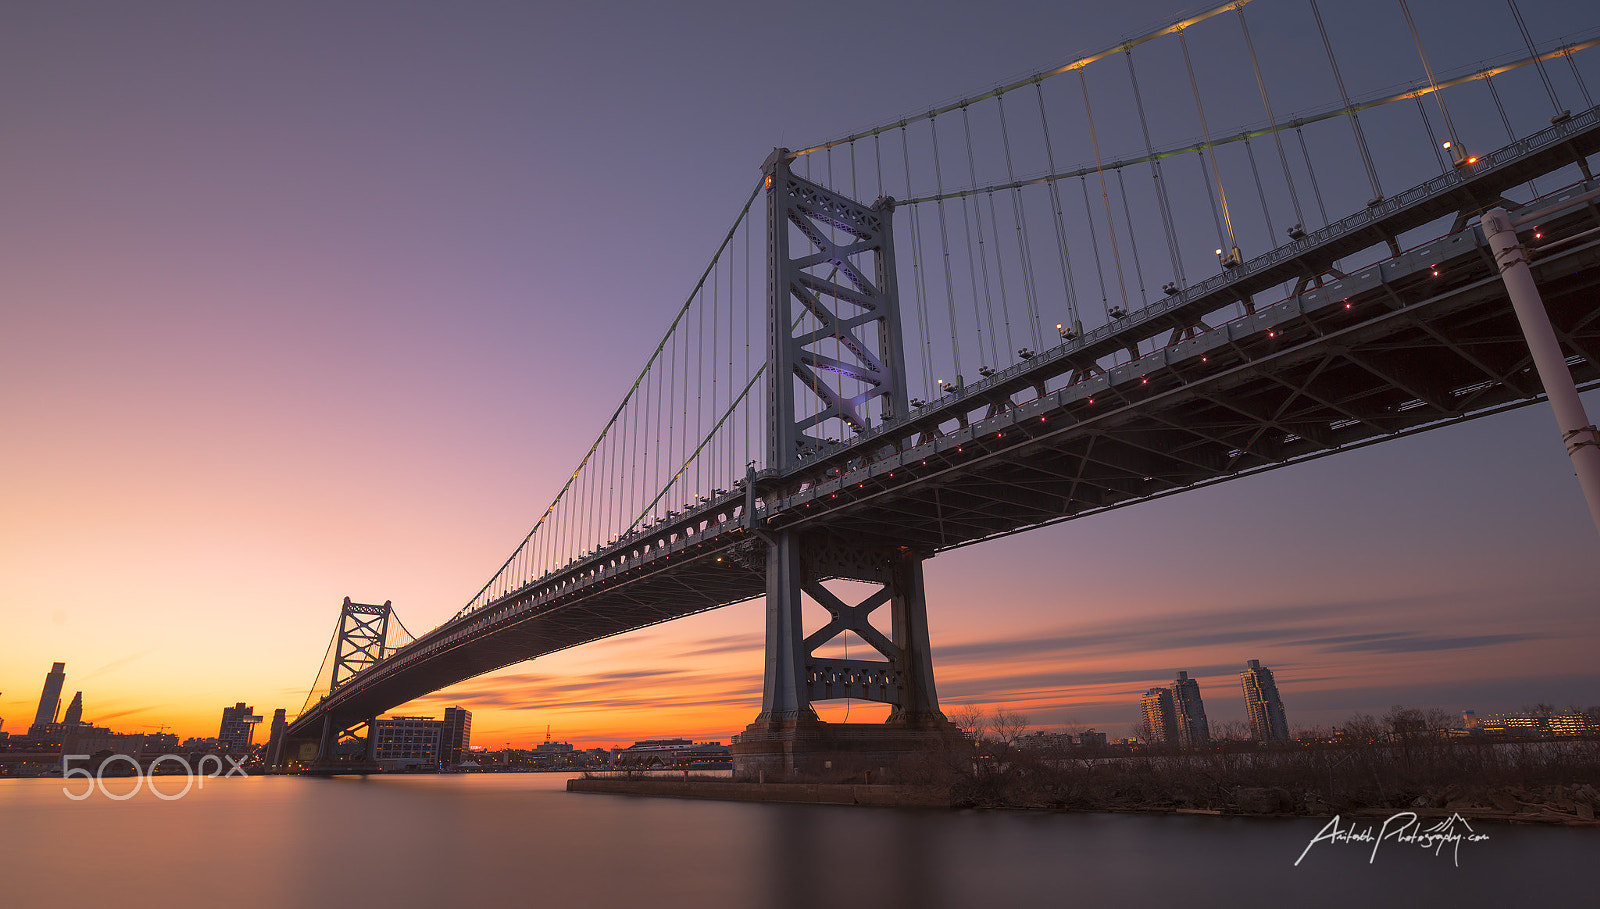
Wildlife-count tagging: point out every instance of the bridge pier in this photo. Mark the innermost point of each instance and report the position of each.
(788, 740)
(831, 261)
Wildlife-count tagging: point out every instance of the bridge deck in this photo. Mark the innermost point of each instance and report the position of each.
(1424, 339)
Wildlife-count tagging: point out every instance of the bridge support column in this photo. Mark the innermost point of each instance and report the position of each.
(372, 741)
(1577, 433)
(831, 278)
(787, 740)
(328, 744)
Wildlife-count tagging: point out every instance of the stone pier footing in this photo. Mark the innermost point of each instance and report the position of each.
(810, 750)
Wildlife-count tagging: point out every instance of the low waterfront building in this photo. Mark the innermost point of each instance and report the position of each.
(1571, 723)
(423, 742)
(668, 753)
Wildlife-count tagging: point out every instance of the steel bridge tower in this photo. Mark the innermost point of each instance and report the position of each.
(832, 308)
(359, 643)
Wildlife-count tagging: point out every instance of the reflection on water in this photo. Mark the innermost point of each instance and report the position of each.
(520, 839)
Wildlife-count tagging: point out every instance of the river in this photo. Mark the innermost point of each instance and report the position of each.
(521, 839)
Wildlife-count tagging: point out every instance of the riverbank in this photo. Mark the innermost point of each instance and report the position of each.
(876, 795)
(1546, 783)
(1560, 805)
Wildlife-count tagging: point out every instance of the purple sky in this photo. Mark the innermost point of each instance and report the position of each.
(306, 301)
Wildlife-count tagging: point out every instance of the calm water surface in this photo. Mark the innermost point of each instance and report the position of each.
(521, 840)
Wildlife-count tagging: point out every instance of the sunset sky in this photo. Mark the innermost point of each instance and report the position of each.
(303, 301)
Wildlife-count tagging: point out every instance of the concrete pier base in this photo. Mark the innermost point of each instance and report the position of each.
(813, 751)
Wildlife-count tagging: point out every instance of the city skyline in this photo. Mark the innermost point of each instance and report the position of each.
(290, 333)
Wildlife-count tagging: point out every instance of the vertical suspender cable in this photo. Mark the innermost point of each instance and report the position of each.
(1311, 172)
(1427, 68)
(1272, 121)
(833, 237)
(1511, 135)
(972, 270)
(1555, 103)
(877, 157)
(699, 383)
(1133, 237)
(1422, 109)
(1216, 219)
(1210, 152)
(1094, 246)
(944, 248)
(752, 450)
(855, 191)
(983, 254)
(1061, 233)
(1350, 112)
(1583, 87)
(1265, 212)
(1105, 195)
(924, 339)
(1155, 174)
(1000, 274)
(1020, 215)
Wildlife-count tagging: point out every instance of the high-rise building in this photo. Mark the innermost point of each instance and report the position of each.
(456, 738)
(1160, 721)
(74, 714)
(1190, 711)
(1261, 702)
(238, 728)
(50, 697)
(275, 738)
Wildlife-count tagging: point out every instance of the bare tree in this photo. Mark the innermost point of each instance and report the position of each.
(1230, 731)
(1140, 728)
(1009, 726)
(971, 721)
(1362, 729)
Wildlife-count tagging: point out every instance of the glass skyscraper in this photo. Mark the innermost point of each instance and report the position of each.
(1262, 703)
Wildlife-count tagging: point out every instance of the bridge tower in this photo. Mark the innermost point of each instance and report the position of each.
(835, 357)
(359, 642)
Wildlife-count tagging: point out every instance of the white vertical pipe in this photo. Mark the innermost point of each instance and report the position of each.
(1579, 435)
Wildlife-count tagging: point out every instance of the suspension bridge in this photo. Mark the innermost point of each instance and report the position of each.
(853, 387)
